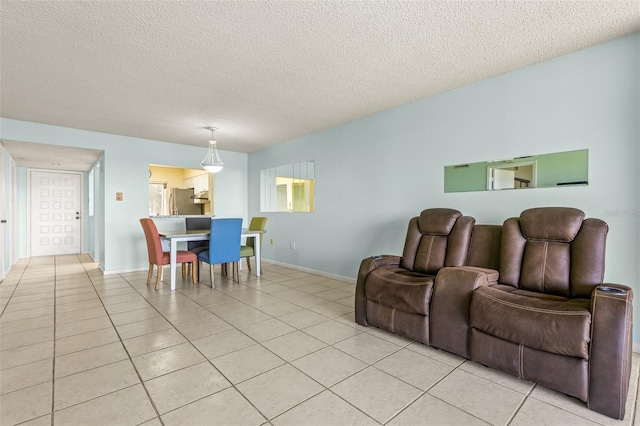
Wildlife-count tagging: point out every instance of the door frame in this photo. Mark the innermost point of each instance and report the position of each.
(3, 201)
(29, 221)
(13, 212)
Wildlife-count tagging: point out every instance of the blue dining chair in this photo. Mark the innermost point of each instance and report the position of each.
(224, 245)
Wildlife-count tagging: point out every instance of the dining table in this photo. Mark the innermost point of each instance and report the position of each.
(175, 237)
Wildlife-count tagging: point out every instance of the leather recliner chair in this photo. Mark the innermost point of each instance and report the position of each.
(393, 292)
(549, 318)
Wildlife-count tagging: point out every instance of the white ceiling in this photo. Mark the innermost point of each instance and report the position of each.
(53, 157)
(265, 72)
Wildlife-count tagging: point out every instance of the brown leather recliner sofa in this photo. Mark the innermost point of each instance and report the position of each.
(394, 292)
(527, 299)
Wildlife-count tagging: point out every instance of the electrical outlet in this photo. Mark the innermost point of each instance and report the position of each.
(292, 246)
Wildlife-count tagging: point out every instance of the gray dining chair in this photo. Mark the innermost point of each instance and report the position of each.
(196, 223)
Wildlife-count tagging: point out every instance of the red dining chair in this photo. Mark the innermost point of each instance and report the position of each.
(160, 258)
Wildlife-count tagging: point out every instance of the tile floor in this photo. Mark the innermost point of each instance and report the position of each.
(80, 348)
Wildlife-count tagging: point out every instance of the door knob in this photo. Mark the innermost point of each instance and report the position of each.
(3, 221)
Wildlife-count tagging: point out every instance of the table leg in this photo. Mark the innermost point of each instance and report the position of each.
(257, 251)
(173, 254)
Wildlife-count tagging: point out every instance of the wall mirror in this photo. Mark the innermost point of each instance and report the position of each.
(288, 188)
(557, 169)
(179, 191)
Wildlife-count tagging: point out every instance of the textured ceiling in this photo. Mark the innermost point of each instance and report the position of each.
(265, 72)
(52, 157)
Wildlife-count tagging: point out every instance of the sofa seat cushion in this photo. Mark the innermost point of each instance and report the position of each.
(401, 289)
(547, 323)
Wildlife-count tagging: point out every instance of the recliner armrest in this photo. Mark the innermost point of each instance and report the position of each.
(369, 264)
(449, 313)
(610, 349)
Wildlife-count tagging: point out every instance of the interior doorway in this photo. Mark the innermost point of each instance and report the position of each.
(55, 213)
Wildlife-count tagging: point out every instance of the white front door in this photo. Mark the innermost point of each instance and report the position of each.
(55, 213)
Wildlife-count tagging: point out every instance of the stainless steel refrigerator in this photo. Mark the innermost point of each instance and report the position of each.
(181, 202)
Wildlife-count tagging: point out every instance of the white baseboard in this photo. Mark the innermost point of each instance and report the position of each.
(123, 271)
(312, 271)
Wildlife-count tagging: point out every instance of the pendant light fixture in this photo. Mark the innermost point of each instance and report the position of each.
(211, 162)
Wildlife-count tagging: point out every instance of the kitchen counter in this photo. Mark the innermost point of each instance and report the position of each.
(165, 216)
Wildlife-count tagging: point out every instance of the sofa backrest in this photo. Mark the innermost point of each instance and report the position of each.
(553, 250)
(484, 251)
(437, 238)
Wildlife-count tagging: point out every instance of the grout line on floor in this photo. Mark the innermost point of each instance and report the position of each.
(324, 388)
(12, 292)
(133, 365)
(232, 385)
(238, 296)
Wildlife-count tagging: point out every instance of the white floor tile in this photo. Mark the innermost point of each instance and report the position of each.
(281, 349)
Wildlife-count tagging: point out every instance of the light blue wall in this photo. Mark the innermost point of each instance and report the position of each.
(118, 236)
(6, 212)
(375, 173)
(99, 230)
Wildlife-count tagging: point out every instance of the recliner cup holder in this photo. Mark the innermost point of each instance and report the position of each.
(612, 290)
